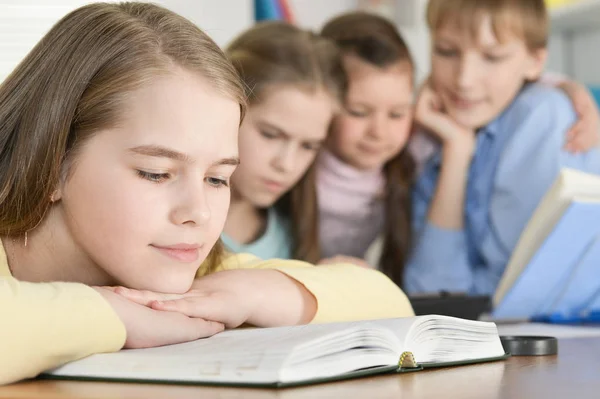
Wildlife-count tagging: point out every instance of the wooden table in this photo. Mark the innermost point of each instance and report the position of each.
(574, 373)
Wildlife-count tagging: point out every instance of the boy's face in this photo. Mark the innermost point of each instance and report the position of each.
(477, 78)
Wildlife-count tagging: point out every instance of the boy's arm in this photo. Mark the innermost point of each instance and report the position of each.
(550, 78)
(584, 134)
(439, 259)
(45, 325)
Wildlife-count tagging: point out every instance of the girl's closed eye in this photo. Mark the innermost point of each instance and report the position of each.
(218, 182)
(445, 52)
(311, 146)
(494, 58)
(357, 113)
(268, 135)
(153, 177)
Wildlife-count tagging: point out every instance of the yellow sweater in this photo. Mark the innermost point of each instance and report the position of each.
(47, 324)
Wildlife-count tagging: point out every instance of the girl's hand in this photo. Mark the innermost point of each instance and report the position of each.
(261, 297)
(585, 133)
(148, 327)
(345, 259)
(430, 115)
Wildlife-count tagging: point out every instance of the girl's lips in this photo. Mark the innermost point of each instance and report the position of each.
(184, 253)
(273, 186)
(370, 150)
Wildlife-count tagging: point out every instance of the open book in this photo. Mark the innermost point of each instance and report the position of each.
(301, 354)
(555, 267)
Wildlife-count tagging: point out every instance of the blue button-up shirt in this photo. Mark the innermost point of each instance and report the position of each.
(518, 156)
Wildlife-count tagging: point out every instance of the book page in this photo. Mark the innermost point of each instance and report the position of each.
(400, 327)
(245, 355)
(254, 354)
(439, 339)
(299, 353)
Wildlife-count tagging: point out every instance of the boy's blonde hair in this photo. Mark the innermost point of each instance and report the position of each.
(527, 19)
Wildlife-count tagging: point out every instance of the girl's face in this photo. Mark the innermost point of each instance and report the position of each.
(377, 116)
(147, 200)
(279, 140)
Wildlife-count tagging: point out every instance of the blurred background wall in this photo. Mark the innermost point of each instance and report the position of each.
(574, 44)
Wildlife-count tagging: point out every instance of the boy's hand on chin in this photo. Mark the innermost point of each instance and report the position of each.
(260, 297)
(429, 114)
(147, 327)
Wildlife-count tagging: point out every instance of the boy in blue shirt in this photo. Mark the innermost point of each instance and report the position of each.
(502, 139)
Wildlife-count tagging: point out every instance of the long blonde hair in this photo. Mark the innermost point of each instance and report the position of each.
(75, 82)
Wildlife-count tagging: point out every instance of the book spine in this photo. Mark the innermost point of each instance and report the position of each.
(407, 361)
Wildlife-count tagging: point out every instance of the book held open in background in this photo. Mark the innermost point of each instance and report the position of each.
(554, 273)
(287, 356)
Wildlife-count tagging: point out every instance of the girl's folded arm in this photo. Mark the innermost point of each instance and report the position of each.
(45, 325)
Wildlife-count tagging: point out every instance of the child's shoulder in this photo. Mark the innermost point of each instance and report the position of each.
(537, 122)
(538, 107)
(538, 97)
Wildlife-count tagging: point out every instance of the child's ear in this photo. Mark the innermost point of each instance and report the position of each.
(59, 188)
(537, 61)
(56, 195)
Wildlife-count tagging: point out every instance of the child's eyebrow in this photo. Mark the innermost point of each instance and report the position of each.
(444, 40)
(315, 142)
(164, 152)
(159, 152)
(275, 129)
(288, 136)
(234, 161)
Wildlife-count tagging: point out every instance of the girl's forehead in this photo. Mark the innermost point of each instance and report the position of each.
(357, 68)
